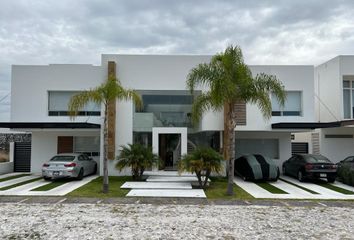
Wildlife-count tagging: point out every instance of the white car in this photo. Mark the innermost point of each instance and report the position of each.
(69, 165)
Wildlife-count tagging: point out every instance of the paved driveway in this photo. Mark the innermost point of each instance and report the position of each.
(27, 189)
(295, 190)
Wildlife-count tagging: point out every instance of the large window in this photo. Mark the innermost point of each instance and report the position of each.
(292, 106)
(58, 104)
(163, 109)
(348, 97)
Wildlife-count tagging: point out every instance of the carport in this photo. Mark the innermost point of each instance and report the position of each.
(50, 138)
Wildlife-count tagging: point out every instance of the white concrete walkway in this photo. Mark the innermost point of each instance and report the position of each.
(294, 192)
(165, 184)
(156, 185)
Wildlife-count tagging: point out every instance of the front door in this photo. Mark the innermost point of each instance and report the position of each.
(169, 151)
(170, 144)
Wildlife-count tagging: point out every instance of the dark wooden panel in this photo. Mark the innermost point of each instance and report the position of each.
(65, 144)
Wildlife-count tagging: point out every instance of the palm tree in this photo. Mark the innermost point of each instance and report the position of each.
(109, 91)
(230, 82)
(202, 161)
(138, 158)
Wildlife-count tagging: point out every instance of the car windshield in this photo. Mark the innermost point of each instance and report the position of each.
(62, 158)
(317, 159)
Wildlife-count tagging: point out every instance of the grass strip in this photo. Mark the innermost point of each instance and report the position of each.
(336, 189)
(217, 190)
(270, 188)
(19, 184)
(298, 186)
(13, 177)
(94, 188)
(49, 186)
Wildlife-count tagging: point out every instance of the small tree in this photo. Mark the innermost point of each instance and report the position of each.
(229, 82)
(202, 161)
(138, 158)
(109, 91)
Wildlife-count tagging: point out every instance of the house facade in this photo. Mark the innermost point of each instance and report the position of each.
(40, 95)
(334, 103)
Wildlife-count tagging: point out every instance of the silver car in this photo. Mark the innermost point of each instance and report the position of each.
(71, 165)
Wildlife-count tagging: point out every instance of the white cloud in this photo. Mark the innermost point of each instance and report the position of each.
(270, 32)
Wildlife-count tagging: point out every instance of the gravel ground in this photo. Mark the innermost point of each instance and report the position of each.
(144, 221)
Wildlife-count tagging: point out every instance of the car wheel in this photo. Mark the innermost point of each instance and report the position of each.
(300, 176)
(244, 178)
(81, 174)
(46, 178)
(331, 179)
(283, 170)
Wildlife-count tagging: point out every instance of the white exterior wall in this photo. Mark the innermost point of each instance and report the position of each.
(337, 149)
(170, 73)
(328, 90)
(44, 145)
(30, 86)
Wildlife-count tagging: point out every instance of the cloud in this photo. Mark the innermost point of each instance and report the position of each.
(269, 32)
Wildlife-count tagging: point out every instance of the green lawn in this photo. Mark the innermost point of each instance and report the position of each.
(13, 177)
(94, 188)
(270, 188)
(50, 186)
(217, 190)
(335, 188)
(19, 184)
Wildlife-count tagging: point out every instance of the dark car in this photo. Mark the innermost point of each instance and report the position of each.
(345, 170)
(310, 166)
(256, 168)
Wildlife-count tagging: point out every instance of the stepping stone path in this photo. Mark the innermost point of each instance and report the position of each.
(165, 185)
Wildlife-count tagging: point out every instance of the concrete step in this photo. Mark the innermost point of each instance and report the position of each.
(157, 185)
(181, 193)
(168, 174)
(172, 179)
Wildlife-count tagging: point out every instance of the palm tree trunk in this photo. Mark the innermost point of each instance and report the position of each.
(229, 144)
(105, 154)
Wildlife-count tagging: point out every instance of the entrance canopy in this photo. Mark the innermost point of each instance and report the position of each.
(43, 125)
(311, 125)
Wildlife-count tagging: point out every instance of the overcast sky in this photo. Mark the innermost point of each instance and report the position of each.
(78, 31)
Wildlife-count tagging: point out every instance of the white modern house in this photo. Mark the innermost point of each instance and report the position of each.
(40, 95)
(334, 106)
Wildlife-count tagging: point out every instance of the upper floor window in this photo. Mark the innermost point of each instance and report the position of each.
(292, 106)
(58, 104)
(348, 97)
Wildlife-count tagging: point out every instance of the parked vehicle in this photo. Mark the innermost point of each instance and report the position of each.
(69, 165)
(256, 168)
(345, 170)
(310, 166)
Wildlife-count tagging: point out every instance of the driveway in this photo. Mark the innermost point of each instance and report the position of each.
(298, 190)
(26, 185)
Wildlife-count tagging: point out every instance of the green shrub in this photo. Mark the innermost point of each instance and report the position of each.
(138, 158)
(346, 175)
(202, 162)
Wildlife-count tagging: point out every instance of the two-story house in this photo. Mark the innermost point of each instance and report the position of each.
(40, 94)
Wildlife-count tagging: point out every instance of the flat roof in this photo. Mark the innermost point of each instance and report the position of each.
(43, 125)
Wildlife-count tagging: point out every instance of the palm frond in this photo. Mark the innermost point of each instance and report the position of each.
(79, 100)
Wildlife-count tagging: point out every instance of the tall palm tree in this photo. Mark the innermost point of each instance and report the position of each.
(109, 91)
(230, 82)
